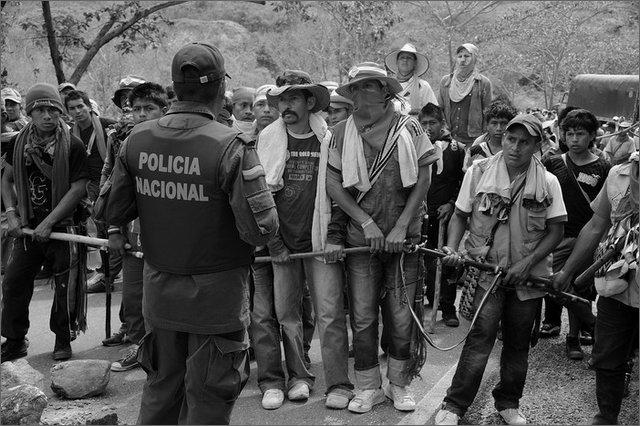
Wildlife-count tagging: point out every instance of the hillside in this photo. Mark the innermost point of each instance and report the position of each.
(258, 42)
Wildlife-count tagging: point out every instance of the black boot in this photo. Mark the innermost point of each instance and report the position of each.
(574, 351)
(609, 391)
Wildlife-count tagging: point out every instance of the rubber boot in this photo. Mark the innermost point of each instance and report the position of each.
(609, 391)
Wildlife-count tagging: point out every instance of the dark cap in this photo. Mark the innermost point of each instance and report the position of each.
(204, 57)
(530, 122)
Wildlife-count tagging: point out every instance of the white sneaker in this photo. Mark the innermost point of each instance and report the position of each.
(402, 399)
(272, 399)
(364, 400)
(513, 416)
(446, 417)
(299, 392)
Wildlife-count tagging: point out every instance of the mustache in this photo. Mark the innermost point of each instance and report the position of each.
(288, 111)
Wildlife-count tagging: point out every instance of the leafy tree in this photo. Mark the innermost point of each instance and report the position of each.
(549, 52)
(134, 25)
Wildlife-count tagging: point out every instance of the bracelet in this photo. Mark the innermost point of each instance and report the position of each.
(113, 230)
(10, 209)
(366, 223)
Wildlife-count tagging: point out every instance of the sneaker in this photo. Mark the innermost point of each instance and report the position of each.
(299, 392)
(128, 362)
(549, 330)
(446, 417)
(450, 319)
(98, 287)
(366, 399)
(402, 399)
(272, 399)
(573, 349)
(338, 399)
(513, 416)
(14, 349)
(62, 349)
(116, 339)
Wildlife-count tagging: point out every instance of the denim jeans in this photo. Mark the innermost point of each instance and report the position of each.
(517, 322)
(374, 283)
(277, 311)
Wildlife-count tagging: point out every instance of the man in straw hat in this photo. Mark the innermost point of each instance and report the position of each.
(378, 174)
(620, 146)
(407, 65)
(43, 182)
(340, 108)
(294, 151)
(202, 184)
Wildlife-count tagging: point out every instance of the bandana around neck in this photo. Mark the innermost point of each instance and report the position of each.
(372, 115)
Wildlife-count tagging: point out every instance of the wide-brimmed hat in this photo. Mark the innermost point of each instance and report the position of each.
(299, 80)
(368, 71)
(422, 62)
(330, 85)
(66, 85)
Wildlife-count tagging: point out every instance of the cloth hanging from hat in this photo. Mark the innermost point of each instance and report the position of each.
(494, 185)
(464, 77)
(29, 150)
(354, 163)
(272, 151)
(97, 136)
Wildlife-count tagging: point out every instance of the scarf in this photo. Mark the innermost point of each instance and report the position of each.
(494, 186)
(272, 151)
(247, 127)
(464, 77)
(28, 150)
(97, 135)
(354, 163)
(411, 92)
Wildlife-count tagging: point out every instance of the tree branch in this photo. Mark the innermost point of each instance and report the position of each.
(56, 57)
(108, 33)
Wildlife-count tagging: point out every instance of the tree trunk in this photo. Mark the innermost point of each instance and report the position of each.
(56, 57)
(107, 33)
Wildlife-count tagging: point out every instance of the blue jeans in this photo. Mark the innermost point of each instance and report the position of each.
(375, 278)
(517, 322)
(277, 311)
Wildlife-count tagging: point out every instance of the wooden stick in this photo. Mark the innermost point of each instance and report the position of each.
(438, 279)
(263, 259)
(103, 243)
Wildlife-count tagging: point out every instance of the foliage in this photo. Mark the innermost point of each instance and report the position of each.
(135, 26)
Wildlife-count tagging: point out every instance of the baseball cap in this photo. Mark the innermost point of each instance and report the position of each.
(204, 57)
(530, 122)
(261, 93)
(11, 94)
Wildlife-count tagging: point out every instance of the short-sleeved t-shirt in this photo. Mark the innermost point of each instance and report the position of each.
(590, 177)
(556, 210)
(40, 188)
(296, 199)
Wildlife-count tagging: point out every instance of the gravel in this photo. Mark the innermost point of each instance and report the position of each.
(558, 391)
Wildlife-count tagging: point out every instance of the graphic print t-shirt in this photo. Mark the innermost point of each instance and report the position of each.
(296, 199)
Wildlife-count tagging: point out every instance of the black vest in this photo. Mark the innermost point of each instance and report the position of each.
(186, 223)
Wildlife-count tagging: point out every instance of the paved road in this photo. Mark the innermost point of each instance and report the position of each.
(124, 388)
(558, 391)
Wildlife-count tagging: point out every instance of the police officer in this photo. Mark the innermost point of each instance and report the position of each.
(203, 204)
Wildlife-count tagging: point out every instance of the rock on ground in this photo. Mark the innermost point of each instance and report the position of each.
(22, 404)
(82, 378)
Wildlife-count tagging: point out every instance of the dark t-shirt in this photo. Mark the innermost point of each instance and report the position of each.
(40, 186)
(95, 160)
(445, 186)
(295, 201)
(591, 178)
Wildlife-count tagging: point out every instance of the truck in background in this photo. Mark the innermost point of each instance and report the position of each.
(605, 95)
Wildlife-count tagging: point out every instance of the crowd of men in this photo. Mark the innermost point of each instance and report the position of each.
(333, 187)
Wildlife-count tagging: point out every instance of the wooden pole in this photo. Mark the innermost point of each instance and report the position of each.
(438, 279)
